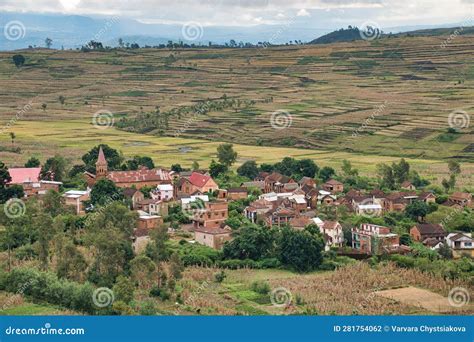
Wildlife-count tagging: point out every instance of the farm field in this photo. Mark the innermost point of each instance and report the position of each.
(363, 101)
(75, 137)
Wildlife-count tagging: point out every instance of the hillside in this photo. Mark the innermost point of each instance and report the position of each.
(353, 34)
(385, 98)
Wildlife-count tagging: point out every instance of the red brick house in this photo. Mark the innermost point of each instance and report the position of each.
(196, 182)
(422, 231)
(333, 186)
(29, 179)
(212, 216)
(276, 182)
(374, 239)
(214, 238)
(234, 194)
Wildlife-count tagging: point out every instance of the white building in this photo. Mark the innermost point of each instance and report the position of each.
(163, 192)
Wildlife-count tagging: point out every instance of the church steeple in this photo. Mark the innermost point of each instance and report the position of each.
(101, 165)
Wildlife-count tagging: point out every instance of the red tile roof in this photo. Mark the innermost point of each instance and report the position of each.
(24, 174)
(142, 175)
(198, 179)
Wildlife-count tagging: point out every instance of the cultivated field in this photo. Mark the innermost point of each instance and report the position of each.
(396, 94)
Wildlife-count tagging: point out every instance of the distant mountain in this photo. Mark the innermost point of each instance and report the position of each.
(353, 33)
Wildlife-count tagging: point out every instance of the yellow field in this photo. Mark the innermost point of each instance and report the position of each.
(74, 137)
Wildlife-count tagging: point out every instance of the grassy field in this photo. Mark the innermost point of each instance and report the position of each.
(396, 94)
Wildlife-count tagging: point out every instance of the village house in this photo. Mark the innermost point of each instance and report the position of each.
(373, 239)
(138, 179)
(153, 206)
(214, 238)
(407, 185)
(196, 182)
(234, 194)
(29, 179)
(76, 199)
(333, 186)
(326, 198)
(424, 231)
(460, 199)
(163, 192)
(212, 216)
(146, 223)
(369, 209)
(300, 222)
(332, 234)
(461, 244)
(257, 209)
(133, 196)
(278, 183)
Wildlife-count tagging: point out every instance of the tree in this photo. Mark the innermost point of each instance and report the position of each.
(123, 289)
(33, 162)
(347, 169)
(71, 264)
(61, 100)
(43, 225)
(44, 106)
(5, 178)
(454, 167)
(48, 42)
(53, 203)
(385, 172)
(176, 168)
(417, 210)
(54, 169)
(288, 166)
(226, 154)
(215, 169)
(142, 268)
(401, 171)
(120, 42)
(251, 242)
(12, 136)
(300, 250)
(176, 266)
(195, 166)
(19, 60)
(157, 249)
(307, 168)
(113, 157)
(326, 173)
(248, 169)
(105, 191)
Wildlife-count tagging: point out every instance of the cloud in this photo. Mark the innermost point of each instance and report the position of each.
(303, 13)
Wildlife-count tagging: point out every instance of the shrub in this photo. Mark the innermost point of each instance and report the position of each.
(260, 287)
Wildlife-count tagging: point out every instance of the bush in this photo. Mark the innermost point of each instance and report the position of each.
(403, 261)
(148, 309)
(219, 277)
(269, 263)
(47, 287)
(260, 287)
(235, 264)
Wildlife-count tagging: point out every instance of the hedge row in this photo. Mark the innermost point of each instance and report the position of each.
(45, 286)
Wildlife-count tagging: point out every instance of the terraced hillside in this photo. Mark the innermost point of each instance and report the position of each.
(390, 96)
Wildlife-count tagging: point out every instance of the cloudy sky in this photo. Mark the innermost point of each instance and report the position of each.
(310, 13)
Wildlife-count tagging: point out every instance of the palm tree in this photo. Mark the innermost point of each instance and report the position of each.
(13, 136)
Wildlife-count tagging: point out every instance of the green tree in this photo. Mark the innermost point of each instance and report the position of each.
(326, 173)
(417, 210)
(226, 154)
(157, 249)
(142, 268)
(5, 178)
(300, 250)
(248, 169)
(19, 60)
(176, 168)
(176, 266)
(71, 264)
(53, 203)
(12, 137)
(401, 171)
(123, 289)
(62, 100)
(347, 169)
(105, 191)
(307, 168)
(54, 169)
(251, 242)
(33, 162)
(216, 169)
(195, 166)
(44, 227)
(48, 42)
(385, 172)
(454, 167)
